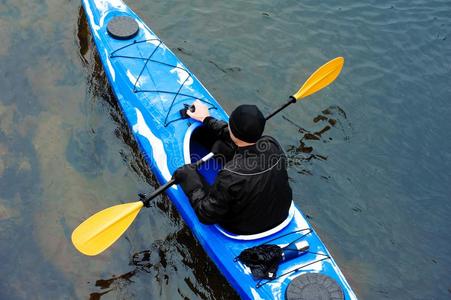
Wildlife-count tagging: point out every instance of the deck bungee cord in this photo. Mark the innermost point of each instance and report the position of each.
(149, 59)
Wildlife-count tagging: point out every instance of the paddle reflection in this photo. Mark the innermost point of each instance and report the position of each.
(302, 156)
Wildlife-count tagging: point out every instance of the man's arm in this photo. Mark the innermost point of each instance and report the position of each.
(220, 129)
(211, 204)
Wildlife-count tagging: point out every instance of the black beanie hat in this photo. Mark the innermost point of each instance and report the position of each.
(247, 123)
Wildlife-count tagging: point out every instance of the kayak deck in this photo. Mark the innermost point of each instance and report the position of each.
(151, 85)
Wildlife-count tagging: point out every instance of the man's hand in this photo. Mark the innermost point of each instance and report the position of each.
(183, 173)
(200, 112)
(187, 177)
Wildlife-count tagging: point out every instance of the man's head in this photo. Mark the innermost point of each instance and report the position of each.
(246, 124)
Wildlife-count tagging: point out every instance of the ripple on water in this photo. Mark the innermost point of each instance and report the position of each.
(85, 151)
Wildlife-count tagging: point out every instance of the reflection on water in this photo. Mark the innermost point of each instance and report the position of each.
(83, 36)
(163, 261)
(99, 89)
(116, 283)
(302, 156)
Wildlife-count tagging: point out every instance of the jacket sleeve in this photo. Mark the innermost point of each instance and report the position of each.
(224, 144)
(218, 127)
(212, 204)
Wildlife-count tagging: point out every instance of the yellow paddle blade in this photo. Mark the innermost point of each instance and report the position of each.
(322, 77)
(101, 230)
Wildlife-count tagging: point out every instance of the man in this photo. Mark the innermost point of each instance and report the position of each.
(251, 193)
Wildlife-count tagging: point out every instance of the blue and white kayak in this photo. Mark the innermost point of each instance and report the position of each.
(152, 85)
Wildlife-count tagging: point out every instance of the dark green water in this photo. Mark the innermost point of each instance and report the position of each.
(371, 155)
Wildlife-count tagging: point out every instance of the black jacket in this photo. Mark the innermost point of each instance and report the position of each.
(251, 193)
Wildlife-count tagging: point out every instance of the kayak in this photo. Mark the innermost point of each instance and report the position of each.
(152, 87)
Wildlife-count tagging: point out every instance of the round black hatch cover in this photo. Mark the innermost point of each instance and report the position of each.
(314, 286)
(122, 27)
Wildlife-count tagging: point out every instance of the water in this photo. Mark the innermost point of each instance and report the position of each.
(370, 156)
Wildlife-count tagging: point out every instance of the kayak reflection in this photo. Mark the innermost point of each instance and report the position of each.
(178, 250)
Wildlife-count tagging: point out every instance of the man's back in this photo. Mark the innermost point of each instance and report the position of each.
(256, 183)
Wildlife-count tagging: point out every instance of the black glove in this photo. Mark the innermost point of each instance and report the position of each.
(188, 178)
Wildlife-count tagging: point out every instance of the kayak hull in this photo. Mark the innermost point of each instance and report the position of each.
(151, 86)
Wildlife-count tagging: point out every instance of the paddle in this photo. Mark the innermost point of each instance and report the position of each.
(322, 77)
(102, 229)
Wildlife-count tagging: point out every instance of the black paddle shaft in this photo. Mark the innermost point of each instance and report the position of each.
(168, 184)
(290, 101)
(158, 191)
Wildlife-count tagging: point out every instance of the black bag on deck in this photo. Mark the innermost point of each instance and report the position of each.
(263, 260)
